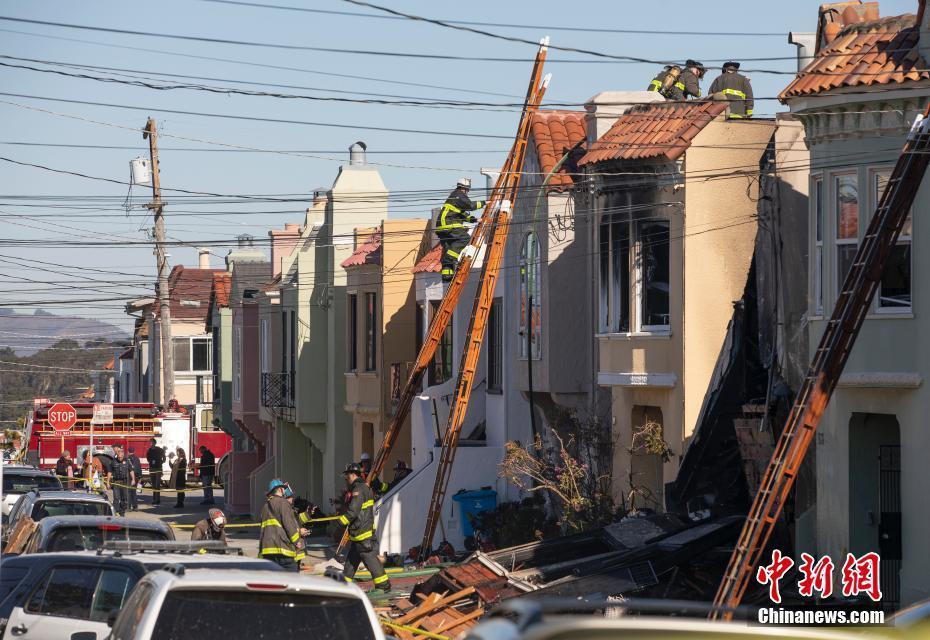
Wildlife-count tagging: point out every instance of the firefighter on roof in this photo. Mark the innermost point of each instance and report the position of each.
(735, 87)
(450, 226)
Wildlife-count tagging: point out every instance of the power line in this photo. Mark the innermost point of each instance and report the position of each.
(508, 25)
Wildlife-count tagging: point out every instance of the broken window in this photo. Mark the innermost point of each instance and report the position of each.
(818, 246)
(894, 293)
(634, 273)
(847, 225)
(529, 297)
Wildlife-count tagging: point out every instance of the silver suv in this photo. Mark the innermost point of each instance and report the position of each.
(203, 603)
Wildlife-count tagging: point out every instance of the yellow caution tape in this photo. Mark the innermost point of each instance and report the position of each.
(422, 632)
(81, 480)
(228, 526)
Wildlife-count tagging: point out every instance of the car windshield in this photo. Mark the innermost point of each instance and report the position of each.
(46, 508)
(93, 536)
(193, 615)
(16, 483)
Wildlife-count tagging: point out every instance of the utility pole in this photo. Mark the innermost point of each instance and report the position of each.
(161, 286)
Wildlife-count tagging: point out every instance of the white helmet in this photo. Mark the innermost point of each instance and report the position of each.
(464, 182)
(365, 457)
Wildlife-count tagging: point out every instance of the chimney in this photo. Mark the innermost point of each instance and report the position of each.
(603, 109)
(923, 21)
(282, 243)
(245, 241)
(805, 42)
(357, 154)
(204, 262)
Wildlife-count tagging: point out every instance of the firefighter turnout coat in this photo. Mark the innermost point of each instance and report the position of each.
(359, 516)
(455, 211)
(688, 86)
(280, 532)
(738, 90)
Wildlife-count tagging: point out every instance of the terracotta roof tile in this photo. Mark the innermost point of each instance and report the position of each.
(661, 130)
(554, 133)
(878, 52)
(367, 253)
(190, 291)
(430, 262)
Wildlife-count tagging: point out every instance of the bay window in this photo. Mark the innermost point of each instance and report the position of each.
(894, 292)
(846, 194)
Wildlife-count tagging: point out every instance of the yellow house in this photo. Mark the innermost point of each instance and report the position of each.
(381, 330)
(674, 234)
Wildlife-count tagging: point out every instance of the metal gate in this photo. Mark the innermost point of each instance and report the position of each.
(889, 524)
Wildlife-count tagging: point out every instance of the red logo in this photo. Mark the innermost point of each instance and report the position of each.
(773, 573)
(817, 577)
(62, 416)
(860, 575)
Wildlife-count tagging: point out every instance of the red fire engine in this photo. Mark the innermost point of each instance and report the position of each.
(134, 425)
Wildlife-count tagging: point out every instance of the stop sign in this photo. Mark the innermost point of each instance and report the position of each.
(62, 416)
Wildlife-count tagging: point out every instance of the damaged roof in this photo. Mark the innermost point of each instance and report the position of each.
(657, 131)
(877, 52)
(554, 134)
(367, 253)
(429, 263)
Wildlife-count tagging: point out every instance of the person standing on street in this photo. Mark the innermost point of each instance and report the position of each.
(207, 473)
(280, 536)
(64, 469)
(136, 465)
(179, 473)
(360, 520)
(156, 458)
(120, 478)
(213, 527)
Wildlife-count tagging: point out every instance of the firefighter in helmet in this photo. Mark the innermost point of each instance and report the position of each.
(359, 517)
(735, 87)
(450, 225)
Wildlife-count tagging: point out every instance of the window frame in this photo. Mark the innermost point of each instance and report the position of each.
(371, 332)
(352, 331)
(904, 239)
(445, 347)
(838, 242)
(622, 293)
(43, 585)
(495, 359)
(208, 338)
(818, 233)
(530, 276)
(265, 346)
(237, 363)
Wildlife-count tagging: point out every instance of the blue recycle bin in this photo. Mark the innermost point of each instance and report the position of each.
(472, 503)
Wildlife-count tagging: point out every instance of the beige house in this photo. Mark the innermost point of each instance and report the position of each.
(674, 237)
(380, 330)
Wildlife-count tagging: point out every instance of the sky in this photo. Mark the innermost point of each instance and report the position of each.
(61, 212)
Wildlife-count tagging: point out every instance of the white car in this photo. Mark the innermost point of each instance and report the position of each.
(19, 479)
(203, 603)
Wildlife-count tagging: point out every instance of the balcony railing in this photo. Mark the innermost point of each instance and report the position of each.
(278, 392)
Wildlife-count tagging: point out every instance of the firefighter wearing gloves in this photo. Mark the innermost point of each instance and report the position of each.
(280, 539)
(360, 519)
(450, 226)
(213, 527)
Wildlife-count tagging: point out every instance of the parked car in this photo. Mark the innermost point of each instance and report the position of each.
(20, 479)
(191, 605)
(79, 533)
(47, 596)
(38, 505)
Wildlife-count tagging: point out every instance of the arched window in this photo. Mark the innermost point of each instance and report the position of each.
(530, 317)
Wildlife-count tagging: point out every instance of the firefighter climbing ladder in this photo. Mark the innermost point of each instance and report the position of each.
(506, 186)
(490, 271)
(828, 362)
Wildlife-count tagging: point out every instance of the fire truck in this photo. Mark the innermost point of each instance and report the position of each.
(134, 425)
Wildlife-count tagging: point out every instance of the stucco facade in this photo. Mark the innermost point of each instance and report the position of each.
(675, 243)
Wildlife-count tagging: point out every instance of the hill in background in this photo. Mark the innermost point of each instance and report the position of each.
(26, 334)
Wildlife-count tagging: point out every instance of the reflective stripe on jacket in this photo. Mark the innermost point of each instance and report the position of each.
(360, 515)
(454, 212)
(738, 89)
(280, 532)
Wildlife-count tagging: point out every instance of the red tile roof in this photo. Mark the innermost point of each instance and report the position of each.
(367, 253)
(430, 262)
(878, 52)
(554, 133)
(661, 130)
(222, 282)
(190, 291)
